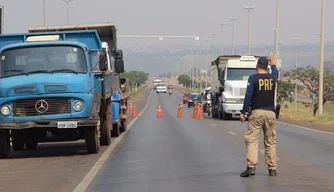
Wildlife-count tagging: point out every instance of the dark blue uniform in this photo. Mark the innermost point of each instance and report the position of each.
(260, 97)
(260, 92)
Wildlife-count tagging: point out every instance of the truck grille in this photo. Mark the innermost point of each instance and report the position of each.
(42, 106)
(239, 91)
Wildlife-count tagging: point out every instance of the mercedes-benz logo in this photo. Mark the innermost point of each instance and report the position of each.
(41, 106)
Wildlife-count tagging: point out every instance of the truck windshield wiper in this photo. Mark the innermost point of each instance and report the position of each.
(38, 71)
(64, 70)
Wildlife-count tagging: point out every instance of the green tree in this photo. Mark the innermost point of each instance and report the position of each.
(284, 90)
(309, 76)
(135, 77)
(184, 80)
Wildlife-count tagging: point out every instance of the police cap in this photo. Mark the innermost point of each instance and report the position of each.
(263, 61)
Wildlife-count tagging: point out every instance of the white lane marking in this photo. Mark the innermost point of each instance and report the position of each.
(232, 133)
(213, 125)
(309, 129)
(85, 182)
(262, 151)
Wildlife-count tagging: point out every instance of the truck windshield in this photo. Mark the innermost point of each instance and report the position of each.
(239, 74)
(46, 59)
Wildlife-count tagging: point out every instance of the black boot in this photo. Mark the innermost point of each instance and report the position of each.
(248, 172)
(272, 172)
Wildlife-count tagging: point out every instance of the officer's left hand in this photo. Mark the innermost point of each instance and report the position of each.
(242, 117)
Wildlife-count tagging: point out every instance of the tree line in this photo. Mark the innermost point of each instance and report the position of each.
(309, 77)
(135, 77)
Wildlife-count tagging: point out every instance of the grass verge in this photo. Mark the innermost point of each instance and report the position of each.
(304, 113)
(137, 93)
(185, 90)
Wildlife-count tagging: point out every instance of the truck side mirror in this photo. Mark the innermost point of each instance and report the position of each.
(119, 66)
(103, 62)
(118, 54)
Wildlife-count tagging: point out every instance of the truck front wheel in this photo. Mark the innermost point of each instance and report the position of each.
(4, 144)
(92, 139)
(226, 116)
(17, 140)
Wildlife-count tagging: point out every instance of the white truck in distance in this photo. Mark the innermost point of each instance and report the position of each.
(229, 83)
(155, 82)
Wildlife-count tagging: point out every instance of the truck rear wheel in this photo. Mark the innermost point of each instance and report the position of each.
(105, 138)
(115, 130)
(31, 142)
(124, 125)
(92, 139)
(17, 140)
(4, 143)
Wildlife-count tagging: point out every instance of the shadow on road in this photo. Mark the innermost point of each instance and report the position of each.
(45, 150)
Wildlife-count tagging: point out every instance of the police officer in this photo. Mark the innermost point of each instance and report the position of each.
(260, 96)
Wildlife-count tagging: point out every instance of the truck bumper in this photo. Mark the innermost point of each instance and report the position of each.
(47, 123)
(234, 109)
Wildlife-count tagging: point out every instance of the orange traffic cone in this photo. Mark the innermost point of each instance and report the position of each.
(159, 113)
(195, 114)
(131, 107)
(200, 112)
(134, 112)
(179, 111)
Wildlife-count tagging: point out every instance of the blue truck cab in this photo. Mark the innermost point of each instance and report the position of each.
(59, 82)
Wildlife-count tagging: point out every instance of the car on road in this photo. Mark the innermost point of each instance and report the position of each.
(186, 98)
(192, 98)
(161, 88)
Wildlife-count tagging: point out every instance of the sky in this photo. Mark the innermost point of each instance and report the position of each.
(298, 18)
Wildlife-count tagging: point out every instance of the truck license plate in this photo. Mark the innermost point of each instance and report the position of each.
(67, 124)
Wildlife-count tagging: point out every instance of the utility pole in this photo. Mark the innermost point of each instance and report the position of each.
(233, 25)
(276, 29)
(296, 66)
(68, 10)
(44, 12)
(192, 61)
(321, 64)
(222, 25)
(206, 62)
(249, 8)
(213, 43)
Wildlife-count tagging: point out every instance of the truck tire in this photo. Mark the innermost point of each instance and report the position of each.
(115, 130)
(105, 138)
(4, 143)
(17, 140)
(226, 116)
(214, 111)
(31, 139)
(92, 139)
(124, 125)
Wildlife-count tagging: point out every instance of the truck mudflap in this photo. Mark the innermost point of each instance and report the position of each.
(55, 123)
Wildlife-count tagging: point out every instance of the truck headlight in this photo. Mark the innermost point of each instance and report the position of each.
(78, 105)
(6, 110)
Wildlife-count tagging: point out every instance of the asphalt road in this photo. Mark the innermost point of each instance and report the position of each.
(52, 167)
(171, 154)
